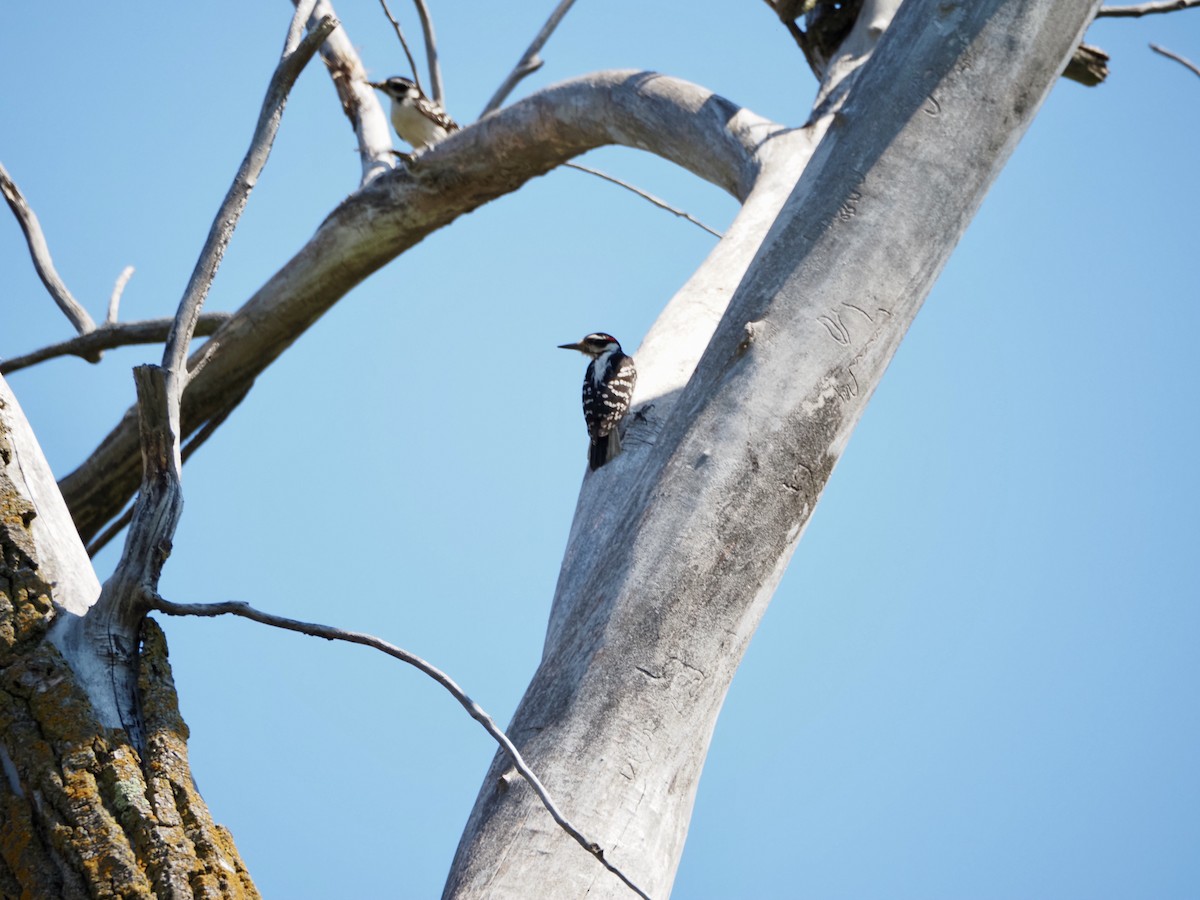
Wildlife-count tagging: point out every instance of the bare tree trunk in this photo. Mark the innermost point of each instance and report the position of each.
(83, 813)
(678, 545)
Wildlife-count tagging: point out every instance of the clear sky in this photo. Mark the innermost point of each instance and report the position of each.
(978, 678)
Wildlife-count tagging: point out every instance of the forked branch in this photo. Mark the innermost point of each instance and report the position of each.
(293, 62)
(476, 712)
(121, 334)
(112, 625)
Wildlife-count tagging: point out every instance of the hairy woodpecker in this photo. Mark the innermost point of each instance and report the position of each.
(607, 390)
(417, 119)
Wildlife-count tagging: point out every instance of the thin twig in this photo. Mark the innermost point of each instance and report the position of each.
(107, 336)
(431, 55)
(289, 68)
(114, 300)
(473, 709)
(1145, 9)
(661, 204)
(412, 63)
(40, 251)
(529, 62)
(1175, 56)
(114, 620)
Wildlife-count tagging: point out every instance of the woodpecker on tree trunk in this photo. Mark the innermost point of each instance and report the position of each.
(607, 390)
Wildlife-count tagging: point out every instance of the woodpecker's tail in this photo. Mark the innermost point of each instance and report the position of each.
(603, 449)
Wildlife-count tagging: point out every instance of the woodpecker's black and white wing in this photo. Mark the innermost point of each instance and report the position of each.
(607, 392)
(421, 122)
(417, 119)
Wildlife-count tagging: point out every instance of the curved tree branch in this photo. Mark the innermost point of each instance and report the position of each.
(1186, 63)
(686, 124)
(114, 299)
(296, 55)
(39, 250)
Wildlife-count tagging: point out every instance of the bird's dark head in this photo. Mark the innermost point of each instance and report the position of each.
(594, 344)
(398, 88)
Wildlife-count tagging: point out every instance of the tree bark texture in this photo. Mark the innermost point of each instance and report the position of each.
(82, 813)
(678, 544)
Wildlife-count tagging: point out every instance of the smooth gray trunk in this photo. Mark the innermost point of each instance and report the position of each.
(678, 545)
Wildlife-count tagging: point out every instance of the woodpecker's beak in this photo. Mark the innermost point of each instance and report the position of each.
(578, 347)
(378, 85)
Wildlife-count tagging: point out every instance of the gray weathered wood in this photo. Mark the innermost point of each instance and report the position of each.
(679, 543)
(64, 562)
(109, 335)
(39, 251)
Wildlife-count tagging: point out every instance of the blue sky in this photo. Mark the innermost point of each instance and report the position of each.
(978, 677)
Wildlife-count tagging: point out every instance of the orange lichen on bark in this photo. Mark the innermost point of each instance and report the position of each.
(219, 871)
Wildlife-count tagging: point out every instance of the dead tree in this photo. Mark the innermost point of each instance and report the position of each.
(750, 383)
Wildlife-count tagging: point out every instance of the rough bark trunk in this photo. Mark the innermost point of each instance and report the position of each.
(678, 545)
(82, 812)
